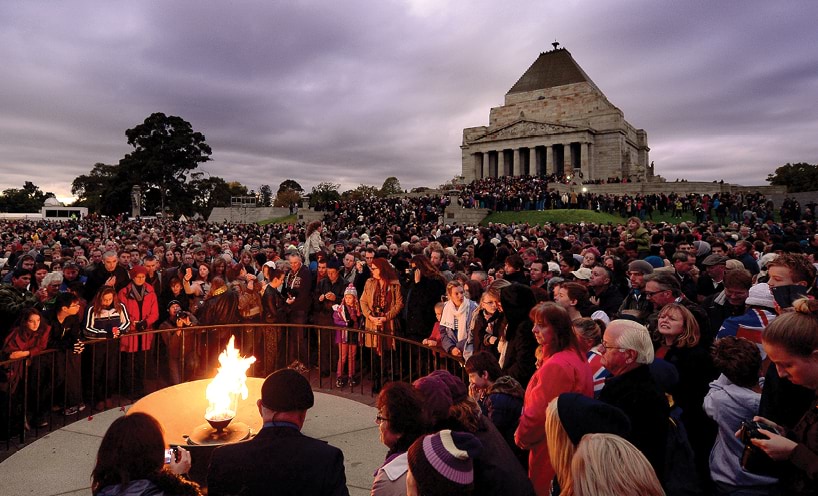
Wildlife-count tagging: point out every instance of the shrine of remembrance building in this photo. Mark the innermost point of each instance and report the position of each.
(555, 120)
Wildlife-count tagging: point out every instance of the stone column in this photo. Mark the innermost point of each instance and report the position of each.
(532, 161)
(567, 159)
(549, 160)
(501, 163)
(518, 166)
(485, 165)
(584, 164)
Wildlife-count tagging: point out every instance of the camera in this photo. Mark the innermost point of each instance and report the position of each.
(171, 454)
(753, 459)
(181, 314)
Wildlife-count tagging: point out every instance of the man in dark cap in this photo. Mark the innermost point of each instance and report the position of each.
(636, 305)
(279, 459)
(712, 281)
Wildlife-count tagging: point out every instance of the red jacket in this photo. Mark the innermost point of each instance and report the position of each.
(562, 372)
(149, 311)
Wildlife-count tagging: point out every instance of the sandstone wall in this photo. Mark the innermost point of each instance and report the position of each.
(247, 215)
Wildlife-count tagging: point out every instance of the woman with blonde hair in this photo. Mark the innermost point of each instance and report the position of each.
(314, 243)
(457, 321)
(678, 341)
(568, 418)
(607, 465)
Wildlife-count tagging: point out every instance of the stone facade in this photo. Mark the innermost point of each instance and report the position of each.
(246, 214)
(555, 120)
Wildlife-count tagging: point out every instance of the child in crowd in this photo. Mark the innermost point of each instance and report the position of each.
(734, 397)
(434, 338)
(347, 314)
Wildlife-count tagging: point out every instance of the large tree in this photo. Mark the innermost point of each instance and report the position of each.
(105, 190)
(324, 194)
(361, 192)
(796, 177)
(391, 186)
(290, 184)
(265, 195)
(287, 198)
(166, 149)
(27, 199)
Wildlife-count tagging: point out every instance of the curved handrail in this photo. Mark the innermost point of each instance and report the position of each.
(111, 373)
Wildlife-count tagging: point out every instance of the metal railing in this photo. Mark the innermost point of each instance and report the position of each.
(57, 387)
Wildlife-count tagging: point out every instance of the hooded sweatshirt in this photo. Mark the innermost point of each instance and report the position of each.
(729, 404)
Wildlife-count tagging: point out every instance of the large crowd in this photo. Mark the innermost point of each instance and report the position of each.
(652, 343)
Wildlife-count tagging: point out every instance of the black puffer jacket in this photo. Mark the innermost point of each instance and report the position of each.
(517, 301)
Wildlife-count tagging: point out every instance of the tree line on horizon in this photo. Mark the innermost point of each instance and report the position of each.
(167, 152)
(164, 161)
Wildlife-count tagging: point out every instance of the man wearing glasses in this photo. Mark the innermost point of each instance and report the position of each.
(627, 352)
(662, 288)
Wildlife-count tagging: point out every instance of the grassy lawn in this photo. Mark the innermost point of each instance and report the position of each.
(571, 216)
(289, 219)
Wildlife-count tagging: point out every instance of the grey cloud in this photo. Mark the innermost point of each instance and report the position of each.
(353, 92)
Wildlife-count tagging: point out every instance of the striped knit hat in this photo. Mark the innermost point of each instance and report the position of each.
(441, 463)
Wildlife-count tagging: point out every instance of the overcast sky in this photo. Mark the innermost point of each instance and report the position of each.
(355, 91)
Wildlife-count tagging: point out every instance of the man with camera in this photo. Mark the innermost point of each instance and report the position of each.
(178, 319)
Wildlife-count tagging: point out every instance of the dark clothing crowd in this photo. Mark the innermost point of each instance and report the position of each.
(657, 328)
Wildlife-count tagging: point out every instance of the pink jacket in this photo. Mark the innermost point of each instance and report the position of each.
(563, 372)
(148, 312)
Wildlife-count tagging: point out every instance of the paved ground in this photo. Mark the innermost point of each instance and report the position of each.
(60, 462)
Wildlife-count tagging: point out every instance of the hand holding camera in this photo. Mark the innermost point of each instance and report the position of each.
(141, 325)
(768, 437)
(178, 459)
(763, 444)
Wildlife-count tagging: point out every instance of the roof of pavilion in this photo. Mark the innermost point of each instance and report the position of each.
(551, 69)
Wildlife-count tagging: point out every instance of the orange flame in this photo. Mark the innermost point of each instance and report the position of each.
(230, 382)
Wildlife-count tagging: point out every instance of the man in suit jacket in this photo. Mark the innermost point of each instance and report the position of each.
(280, 459)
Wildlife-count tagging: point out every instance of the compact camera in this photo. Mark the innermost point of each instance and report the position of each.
(753, 459)
(181, 314)
(171, 454)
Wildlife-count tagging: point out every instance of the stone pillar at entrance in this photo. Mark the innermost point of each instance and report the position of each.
(533, 166)
(549, 160)
(485, 164)
(584, 163)
(518, 165)
(567, 159)
(501, 163)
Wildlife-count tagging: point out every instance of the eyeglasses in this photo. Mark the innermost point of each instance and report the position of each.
(604, 347)
(650, 294)
(379, 419)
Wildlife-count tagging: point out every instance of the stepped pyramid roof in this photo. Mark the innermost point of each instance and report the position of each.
(551, 69)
